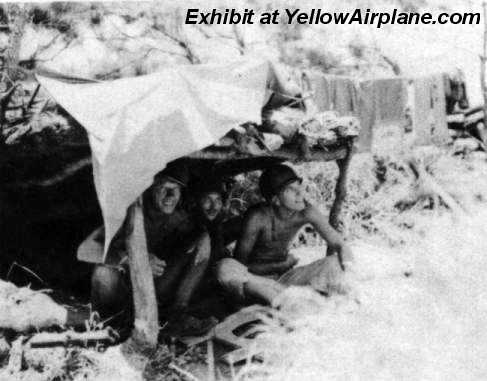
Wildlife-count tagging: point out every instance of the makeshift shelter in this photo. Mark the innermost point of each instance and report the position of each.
(137, 125)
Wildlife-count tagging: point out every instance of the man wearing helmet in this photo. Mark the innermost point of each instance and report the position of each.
(262, 266)
(210, 196)
(179, 254)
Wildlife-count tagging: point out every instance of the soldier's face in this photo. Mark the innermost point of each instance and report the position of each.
(292, 197)
(166, 196)
(211, 205)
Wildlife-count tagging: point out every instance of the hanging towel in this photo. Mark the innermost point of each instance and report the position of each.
(390, 96)
(345, 96)
(321, 90)
(382, 104)
(334, 93)
(367, 115)
(429, 111)
(377, 102)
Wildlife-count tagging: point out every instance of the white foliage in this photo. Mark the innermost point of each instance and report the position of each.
(24, 309)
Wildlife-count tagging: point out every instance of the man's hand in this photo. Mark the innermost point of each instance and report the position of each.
(203, 249)
(157, 265)
(345, 256)
(287, 264)
(291, 261)
(334, 240)
(274, 267)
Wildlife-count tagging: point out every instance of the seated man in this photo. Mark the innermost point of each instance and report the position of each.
(210, 214)
(210, 196)
(179, 253)
(263, 266)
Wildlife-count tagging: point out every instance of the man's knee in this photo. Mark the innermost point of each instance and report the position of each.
(106, 283)
(202, 250)
(230, 271)
(329, 276)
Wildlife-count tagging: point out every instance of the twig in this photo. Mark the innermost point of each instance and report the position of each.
(205, 33)
(51, 339)
(183, 372)
(239, 39)
(190, 56)
(431, 186)
(57, 53)
(31, 101)
(138, 59)
(50, 43)
(25, 269)
(104, 322)
(211, 360)
(68, 171)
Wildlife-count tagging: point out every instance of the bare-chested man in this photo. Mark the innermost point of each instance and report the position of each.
(262, 266)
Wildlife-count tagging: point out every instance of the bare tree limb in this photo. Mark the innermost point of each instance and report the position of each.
(239, 39)
(180, 41)
(429, 186)
(68, 171)
(31, 101)
(4, 101)
(341, 188)
(394, 65)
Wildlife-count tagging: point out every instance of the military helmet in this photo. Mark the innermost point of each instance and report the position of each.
(175, 171)
(275, 178)
(201, 186)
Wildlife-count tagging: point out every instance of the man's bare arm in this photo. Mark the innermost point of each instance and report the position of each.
(273, 268)
(333, 239)
(251, 228)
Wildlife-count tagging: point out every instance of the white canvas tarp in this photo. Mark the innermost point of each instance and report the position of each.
(137, 125)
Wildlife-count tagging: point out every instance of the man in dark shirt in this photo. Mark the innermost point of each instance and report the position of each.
(210, 196)
(210, 214)
(263, 266)
(179, 251)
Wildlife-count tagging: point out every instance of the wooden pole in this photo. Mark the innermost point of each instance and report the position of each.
(146, 324)
(483, 59)
(341, 187)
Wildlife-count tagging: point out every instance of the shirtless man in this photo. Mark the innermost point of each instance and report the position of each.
(262, 266)
(179, 253)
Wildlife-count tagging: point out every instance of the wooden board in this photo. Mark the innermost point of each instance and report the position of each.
(225, 153)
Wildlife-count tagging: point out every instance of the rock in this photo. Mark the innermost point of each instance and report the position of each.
(465, 145)
(273, 141)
